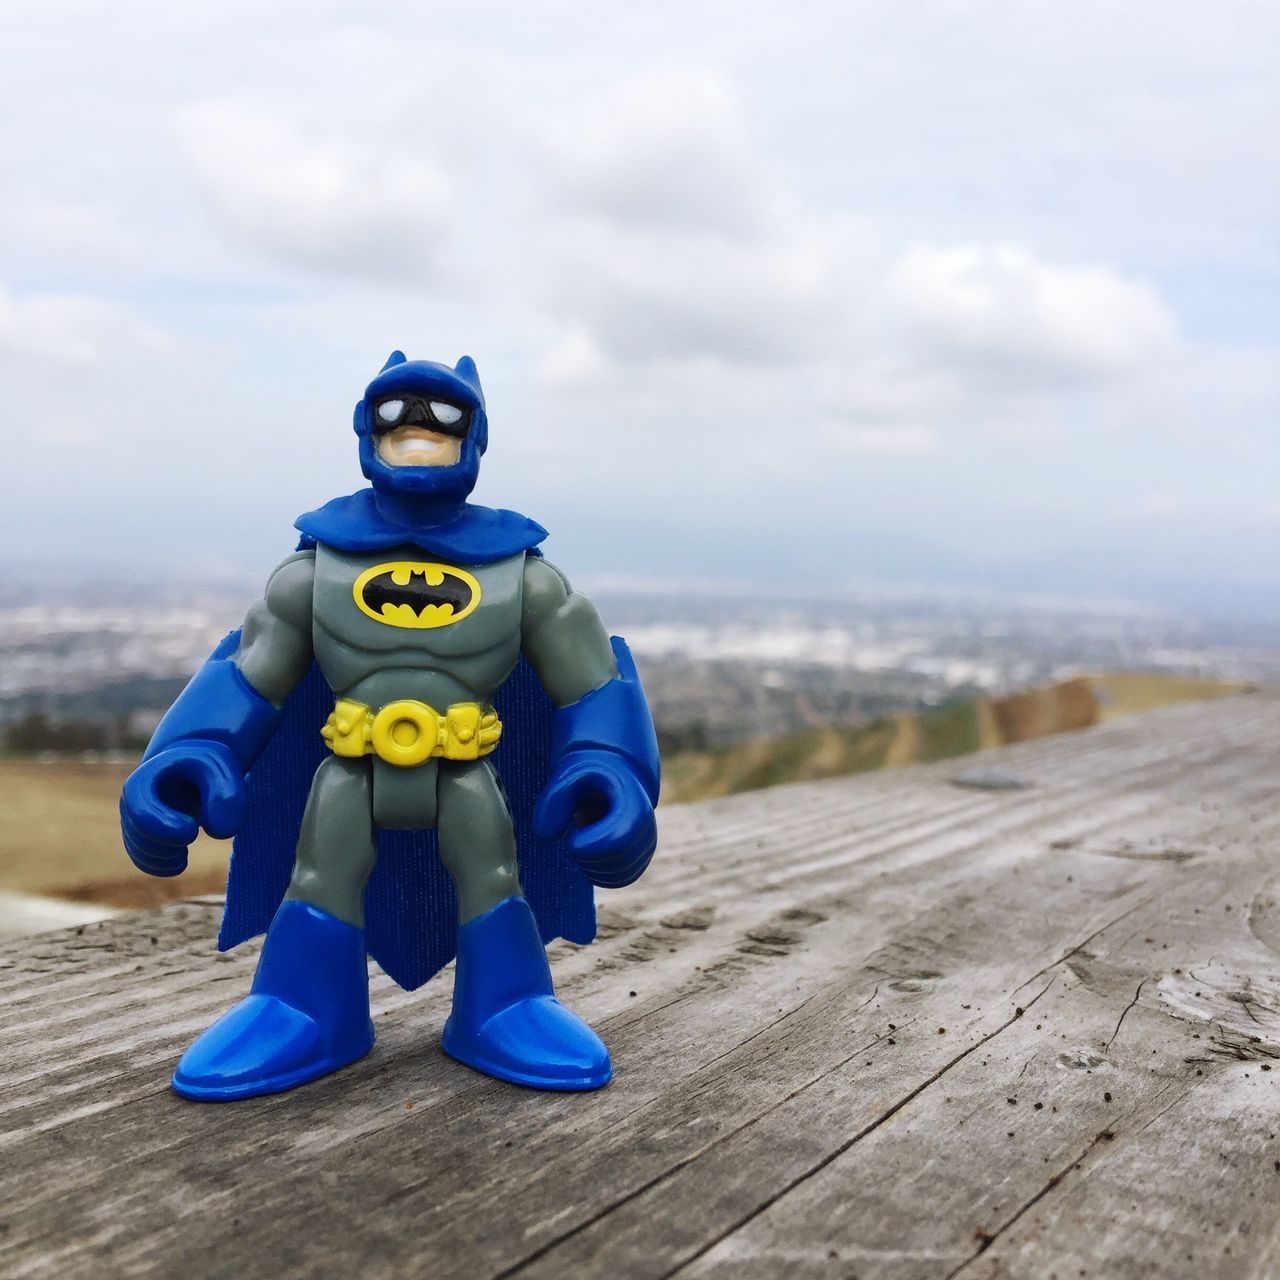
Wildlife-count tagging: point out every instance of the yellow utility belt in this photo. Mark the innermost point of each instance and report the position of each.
(407, 732)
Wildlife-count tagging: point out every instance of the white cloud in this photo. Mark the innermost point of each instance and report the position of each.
(644, 295)
(318, 199)
(904, 438)
(672, 235)
(55, 328)
(650, 268)
(667, 150)
(1001, 312)
(70, 231)
(570, 361)
(1159, 506)
(851, 262)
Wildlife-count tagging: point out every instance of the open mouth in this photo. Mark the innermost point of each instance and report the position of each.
(418, 447)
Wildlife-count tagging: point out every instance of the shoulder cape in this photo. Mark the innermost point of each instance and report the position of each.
(477, 535)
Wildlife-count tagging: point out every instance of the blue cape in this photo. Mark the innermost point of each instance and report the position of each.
(478, 535)
(410, 910)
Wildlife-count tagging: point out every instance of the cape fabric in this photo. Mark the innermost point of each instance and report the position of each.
(479, 535)
(410, 911)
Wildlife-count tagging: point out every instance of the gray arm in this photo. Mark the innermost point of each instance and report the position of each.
(562, 635)
(275, 645)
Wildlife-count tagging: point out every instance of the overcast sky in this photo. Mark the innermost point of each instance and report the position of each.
(953, 293)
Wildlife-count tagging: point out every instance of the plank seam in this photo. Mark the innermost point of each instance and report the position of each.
(986, 1240)
(866, 1131)
(657, 1179)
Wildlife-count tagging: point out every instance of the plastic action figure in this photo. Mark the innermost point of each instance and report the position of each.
(402, 618)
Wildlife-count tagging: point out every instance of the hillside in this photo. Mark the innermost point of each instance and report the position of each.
(59, 834)
(955, 729)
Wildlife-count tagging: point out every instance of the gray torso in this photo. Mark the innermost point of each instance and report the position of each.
(402, 624)
(379, 638)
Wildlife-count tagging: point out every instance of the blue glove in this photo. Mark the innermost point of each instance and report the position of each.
(605, 781)
(597, 798)
(171, 795)
(192, 773)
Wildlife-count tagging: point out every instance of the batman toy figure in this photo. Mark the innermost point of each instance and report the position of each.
(418, 693)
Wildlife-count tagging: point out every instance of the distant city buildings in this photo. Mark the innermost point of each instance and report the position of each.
(718, 667)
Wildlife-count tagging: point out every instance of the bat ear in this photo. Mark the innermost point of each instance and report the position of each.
(395, 358)
(466, 368)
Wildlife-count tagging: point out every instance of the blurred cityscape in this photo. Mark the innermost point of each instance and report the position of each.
(718, 667)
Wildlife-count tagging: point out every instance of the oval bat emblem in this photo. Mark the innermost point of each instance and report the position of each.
(416, 594)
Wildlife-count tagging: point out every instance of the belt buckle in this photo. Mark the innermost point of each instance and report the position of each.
(405, 733)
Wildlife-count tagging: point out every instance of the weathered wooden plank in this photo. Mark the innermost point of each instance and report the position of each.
(975, 1158)
(944, 955)
(761, 1122)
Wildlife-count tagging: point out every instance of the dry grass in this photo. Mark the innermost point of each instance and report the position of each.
(60, 836)
(943, 733)
(1125, 693)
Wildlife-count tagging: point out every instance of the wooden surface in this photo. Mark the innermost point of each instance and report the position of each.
(882, 1027)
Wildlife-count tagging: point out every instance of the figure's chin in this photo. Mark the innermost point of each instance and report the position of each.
(415, 453)
(443, 482)
(415, 479)
(450, 484)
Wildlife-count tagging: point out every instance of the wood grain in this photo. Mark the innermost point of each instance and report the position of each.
(878, 1027)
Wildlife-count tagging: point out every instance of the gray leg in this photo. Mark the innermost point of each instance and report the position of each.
(404, 799)
(336, 848)
(477, 844)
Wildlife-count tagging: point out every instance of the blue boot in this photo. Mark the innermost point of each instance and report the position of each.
(506, 1020)
(307, 1013)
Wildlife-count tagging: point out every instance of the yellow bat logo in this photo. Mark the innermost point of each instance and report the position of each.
(410, 593)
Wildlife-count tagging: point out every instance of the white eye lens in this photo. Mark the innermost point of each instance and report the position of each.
(390, 410)
(445, 413)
